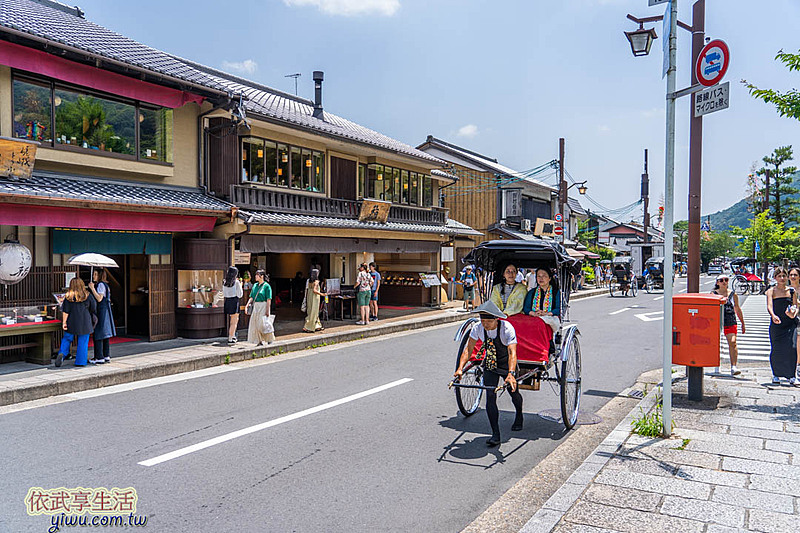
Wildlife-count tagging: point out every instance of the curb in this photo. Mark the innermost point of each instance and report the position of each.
(208, 356)
(554, 509)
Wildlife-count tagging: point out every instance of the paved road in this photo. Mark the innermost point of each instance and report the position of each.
(319, 454)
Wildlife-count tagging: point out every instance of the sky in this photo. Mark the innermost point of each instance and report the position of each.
(505, 78)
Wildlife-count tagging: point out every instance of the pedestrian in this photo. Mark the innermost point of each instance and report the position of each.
(78, 318)
(508, 295)
(232, 291)
(499, 352)
(258, 306)
(104, 329)
(782, 307)
(468, 280)
(376, 284)
(313, 295)
(730, 310)
(794, 281)
(598, 276)
(530, 279)
(364, 287)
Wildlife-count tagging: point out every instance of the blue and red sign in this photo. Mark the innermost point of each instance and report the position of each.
(712, 63)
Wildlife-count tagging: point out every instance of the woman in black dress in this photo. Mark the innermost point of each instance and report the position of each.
(782, 307)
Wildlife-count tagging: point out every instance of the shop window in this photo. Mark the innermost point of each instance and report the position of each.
(297, 168)
(253, 160)
(362, 177)
(427, 191)
(404, 199)
(380, 183)
(413, 189)
(32, 106)
(283, 165)
(94, 123)
(372, 179)
(270, 163)
(155, 134)
(396, 185)
(307, 169)
(318, 172)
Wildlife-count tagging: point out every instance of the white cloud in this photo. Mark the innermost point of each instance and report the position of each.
(248, 66)
(349, 8)
(469, 131)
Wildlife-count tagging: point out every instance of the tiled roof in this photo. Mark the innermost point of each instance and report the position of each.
(443, 175)
(284, 219)
(575, 206)
(60, 23)
(68, 187)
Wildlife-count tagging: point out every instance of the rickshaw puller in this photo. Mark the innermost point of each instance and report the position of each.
(499, 341)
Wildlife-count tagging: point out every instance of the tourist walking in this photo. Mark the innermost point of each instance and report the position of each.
(313, 296)
(258, 306)
(232, 291)
(364, 287)
(78, 315)
(782, 307)
(730, 310)
(468, 280)
(376, 285)
(794, 282)
(104, 329)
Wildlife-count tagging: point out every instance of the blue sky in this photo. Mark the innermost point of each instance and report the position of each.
(506, 78)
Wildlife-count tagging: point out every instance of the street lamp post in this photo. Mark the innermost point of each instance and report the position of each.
(563, 188)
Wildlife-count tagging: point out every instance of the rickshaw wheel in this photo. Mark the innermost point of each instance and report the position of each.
(571, 384)
(469, 400)
(649, 285)
(611, 288)
(634, 284)
(740, 285)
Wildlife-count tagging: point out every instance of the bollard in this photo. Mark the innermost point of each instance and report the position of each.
(695, 378)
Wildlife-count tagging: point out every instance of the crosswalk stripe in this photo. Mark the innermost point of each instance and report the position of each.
(753, 345)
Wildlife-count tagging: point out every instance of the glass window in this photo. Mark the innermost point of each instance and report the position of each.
(395, 185)
(413, 189)
(427, 191)
(270, 163)
(372, 173)
(32, 106)
(318, 183)
(41, 247)
(402, 187)
(308, 167)
(283, 165)
(155, 134)
(404, 199)
(297, 168)
(388, 183)
(362, 177)
(252, 160)
(380, 185)
(94, 123)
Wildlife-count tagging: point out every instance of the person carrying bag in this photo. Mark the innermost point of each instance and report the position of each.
(261, 329)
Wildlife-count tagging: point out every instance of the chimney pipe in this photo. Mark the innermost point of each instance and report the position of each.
(318, 77)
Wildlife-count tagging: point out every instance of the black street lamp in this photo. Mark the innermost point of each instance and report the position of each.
(641, 40)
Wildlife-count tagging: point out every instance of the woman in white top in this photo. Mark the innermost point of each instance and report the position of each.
(233, 292)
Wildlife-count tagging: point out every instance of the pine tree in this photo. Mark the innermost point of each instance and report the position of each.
(782, 205)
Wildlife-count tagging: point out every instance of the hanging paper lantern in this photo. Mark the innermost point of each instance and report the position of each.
(15, 262)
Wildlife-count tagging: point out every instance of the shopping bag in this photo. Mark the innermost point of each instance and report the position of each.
(267, 325)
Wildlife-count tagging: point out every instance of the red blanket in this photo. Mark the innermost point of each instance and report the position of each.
(533, 338)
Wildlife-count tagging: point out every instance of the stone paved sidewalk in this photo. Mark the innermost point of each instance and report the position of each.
(733, 464)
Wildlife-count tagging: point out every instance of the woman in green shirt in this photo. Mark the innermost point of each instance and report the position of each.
(258, 306)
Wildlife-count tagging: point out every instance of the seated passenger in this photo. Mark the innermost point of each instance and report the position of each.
(509, 296)
(544, 301)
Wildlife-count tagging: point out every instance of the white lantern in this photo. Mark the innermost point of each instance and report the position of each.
(15, 262)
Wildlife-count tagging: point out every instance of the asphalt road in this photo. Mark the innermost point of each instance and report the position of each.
(316, 457)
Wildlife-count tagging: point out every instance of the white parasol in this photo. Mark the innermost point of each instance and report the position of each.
(92, 260)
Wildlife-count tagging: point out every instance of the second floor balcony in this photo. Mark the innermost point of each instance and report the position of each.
(278, 201)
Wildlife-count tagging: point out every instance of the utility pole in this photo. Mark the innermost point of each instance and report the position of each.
(562, 184)
(695, 154)
(646, 197)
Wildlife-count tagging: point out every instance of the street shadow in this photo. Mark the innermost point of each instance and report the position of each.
(469, 451)
(786, 413)
(708, 403)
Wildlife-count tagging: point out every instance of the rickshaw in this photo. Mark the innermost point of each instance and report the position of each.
(654, 274)
(623, 279)
(742, 280)
(562, 363)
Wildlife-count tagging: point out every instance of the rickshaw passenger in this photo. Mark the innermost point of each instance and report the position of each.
(499, 344)
(545, 299)
(509, 296)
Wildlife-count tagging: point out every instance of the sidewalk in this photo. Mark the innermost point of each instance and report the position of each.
(733, 464)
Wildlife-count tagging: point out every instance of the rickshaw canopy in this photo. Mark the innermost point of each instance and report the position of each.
(492, 255)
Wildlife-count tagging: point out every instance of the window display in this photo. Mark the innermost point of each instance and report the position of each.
(200, 289)
(27, 314)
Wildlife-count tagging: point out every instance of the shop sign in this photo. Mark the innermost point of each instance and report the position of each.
(447, 254)
(17, 158)
(513, 202)
(241, 258)
(545, 227)
(374, 211)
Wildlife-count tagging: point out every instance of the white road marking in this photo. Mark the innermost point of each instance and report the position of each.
(649, 317)
(658, 298)
(258, 427)
(621, 310)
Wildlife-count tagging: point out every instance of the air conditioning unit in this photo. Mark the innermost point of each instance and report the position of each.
(526, 224)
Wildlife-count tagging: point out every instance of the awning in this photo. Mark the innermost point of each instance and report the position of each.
(331, 245)
(575, 253)
(591, 255)
(71, 241)
(83, 218)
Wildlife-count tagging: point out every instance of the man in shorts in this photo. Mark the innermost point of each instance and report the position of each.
(468, 280)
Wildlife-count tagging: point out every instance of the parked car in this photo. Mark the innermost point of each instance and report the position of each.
(714, 269)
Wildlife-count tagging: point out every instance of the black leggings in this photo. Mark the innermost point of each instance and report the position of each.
(491, 379)
(102, 348)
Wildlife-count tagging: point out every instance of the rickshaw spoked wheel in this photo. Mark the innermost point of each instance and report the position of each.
(634, 284)
(571, 384)
(468, 400)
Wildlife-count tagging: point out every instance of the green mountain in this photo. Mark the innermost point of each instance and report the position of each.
(737, 214)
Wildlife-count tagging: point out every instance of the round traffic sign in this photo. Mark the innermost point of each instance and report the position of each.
(559, 217)
(558, 230)
(712, 63)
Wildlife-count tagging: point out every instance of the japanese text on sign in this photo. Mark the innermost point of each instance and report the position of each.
(712, 99)
(17, 158)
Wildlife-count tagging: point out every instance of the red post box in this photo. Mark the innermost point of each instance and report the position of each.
(696, 328)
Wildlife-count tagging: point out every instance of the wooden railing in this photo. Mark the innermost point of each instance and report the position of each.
(278, 201)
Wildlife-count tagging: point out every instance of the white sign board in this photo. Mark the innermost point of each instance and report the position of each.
(447, 254)
(512, 207)
(712, 99)
(656, 2)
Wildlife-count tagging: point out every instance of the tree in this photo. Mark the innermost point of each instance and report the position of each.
(585, 236)
(782, 204)
(681, 230)
(716, 244)
(755, 190)
(768, 233)
(787, 103)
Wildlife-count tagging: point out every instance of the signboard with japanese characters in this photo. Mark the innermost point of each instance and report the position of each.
(712, 99)
(17, 158)
(512, 206)
(544, 227)
(374, 211)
